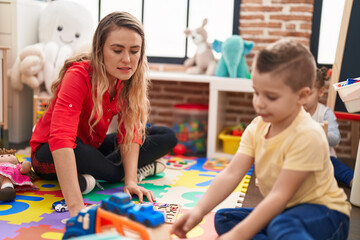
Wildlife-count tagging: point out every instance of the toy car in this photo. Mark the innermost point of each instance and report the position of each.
(61, 207)
(58, 202)
(118, 203)
(145, 214)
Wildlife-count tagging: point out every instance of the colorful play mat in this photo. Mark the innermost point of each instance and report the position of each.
(31, 215)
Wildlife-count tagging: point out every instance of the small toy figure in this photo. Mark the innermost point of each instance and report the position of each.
(14, 175)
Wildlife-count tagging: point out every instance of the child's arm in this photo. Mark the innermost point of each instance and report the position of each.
(287, 184)
(220, 188)
(333, 128)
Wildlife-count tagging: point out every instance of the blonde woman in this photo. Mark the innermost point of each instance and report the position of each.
(70, 141)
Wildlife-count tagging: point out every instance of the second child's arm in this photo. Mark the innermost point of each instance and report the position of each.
(288, 182)
(220, 188)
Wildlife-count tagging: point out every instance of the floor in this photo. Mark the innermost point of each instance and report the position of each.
(253, 197)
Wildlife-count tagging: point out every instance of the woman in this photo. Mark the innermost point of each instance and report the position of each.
(70, 140)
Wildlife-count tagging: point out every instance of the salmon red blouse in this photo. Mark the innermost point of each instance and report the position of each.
(68, 114)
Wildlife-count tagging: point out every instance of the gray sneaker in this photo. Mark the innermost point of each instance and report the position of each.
(151, 169)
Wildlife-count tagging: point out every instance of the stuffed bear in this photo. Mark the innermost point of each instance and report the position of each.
(14, 176)
(64, 28)
(232, 62)
(203, 61)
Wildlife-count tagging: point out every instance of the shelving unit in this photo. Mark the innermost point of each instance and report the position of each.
(4, 96)
(217, 95)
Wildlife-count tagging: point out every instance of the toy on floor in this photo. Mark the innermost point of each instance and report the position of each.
(102, 236)
(141, 220)
(14, 175)
(60, 206)
(179, 149)
(179, 163)
(216, 164)
(170, 210)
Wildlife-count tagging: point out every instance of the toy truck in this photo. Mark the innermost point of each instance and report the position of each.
(98, 219)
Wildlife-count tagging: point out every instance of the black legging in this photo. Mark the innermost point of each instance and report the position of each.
(104, 163)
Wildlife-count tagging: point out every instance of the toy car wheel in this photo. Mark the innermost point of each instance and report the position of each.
(62, 209)
(147, 223)
(132, 217)
(117, 211)
(104, 206)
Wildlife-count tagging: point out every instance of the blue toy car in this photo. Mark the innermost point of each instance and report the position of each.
(118, 203)
(145, 214)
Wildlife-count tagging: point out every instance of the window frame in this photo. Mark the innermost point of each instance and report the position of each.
(315, 35)
(177, 60)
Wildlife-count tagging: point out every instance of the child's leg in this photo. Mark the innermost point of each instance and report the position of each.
(309, 221)
(226, 218)
(343, 173)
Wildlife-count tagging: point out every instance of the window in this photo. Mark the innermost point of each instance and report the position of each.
(165, 21)
(326, 27)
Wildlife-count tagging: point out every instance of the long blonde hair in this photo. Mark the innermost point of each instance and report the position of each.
(133, 102)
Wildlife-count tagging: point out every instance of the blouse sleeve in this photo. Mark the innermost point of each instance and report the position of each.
(67, 109)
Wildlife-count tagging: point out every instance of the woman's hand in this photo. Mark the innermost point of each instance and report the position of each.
(132, 188)
(187, 222)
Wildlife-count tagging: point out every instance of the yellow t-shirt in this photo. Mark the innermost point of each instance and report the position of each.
(302, 147)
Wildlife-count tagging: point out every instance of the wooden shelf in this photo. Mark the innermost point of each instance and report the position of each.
(218, 88)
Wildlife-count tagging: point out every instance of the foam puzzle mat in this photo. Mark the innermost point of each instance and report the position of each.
(31, 216)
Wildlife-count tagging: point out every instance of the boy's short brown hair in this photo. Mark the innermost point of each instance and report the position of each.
(288, 59)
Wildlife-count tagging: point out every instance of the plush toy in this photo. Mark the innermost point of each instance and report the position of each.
(203, 61)
(232, 62)
(64, 28)
(14, 176)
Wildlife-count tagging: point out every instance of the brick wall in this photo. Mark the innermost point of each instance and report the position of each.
(263, 22)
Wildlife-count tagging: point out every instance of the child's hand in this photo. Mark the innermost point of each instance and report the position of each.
(186, 223)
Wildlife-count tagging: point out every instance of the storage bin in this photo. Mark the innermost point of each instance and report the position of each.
(230, 143)
(190, 126)
(349, 94)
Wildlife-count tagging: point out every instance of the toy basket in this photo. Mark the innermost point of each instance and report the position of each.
(230, 143)
(349, 94)
(39, 107)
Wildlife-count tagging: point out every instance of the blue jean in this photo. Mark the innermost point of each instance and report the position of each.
(343, 173)
(304, 221)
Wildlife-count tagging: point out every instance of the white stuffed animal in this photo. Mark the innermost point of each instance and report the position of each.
(64, 28)
(203, 61)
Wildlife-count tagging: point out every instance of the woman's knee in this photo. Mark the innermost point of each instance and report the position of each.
(171, 138)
